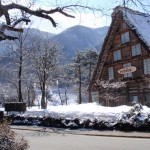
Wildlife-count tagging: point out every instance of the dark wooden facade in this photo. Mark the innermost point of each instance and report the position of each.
(123, 47)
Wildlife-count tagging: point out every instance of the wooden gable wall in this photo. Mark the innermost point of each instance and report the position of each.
(126, 53)
(137, 85)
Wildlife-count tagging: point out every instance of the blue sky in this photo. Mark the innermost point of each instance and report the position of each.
(86, 18)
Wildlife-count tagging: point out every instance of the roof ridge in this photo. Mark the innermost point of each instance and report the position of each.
(136, 12)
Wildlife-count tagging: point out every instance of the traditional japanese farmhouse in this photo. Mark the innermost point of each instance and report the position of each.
(125, 56)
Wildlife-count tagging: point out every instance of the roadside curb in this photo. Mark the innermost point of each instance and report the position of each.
(86, 132)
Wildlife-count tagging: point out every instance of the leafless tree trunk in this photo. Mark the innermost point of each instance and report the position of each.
(66, 98)
(20, 74)
(31, 94)
(59, 93)
(44, 54)
(14, 70)
(79, 77)
(21, 53)
(43, 88)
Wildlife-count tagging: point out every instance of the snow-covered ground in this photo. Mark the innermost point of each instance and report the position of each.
(89, 110)
(85, 111)
(88, 115)
(82, 111)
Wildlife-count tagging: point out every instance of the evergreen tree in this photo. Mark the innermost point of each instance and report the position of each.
(82, 67)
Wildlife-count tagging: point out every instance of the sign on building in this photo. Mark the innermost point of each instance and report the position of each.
(127, 70)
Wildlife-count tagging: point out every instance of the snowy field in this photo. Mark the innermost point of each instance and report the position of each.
(87, 115)
(84, 111)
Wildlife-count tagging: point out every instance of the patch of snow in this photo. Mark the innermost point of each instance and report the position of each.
(1, 109)
(84, 111)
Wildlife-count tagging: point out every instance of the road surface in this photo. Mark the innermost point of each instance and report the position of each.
(60, 141)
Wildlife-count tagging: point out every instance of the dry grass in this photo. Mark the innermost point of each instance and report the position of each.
(8, 139)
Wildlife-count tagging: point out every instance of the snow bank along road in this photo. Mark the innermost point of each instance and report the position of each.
(123, 118)
(56, 140)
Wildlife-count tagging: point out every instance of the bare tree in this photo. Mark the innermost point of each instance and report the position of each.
(17, 65)
(63, 81)
(19, 61)
(21, 52)
(44, 54)
(30, 91)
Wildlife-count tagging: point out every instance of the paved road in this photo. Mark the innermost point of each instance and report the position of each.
(60, 141)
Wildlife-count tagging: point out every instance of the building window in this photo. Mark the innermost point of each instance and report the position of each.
(111, 73)
(136, 50)
(147, 66)
(126, 75)
(134, 99)
(147, 98)
(125, 37)
(117, 55)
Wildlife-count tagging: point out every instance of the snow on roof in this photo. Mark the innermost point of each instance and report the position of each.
(140, 22)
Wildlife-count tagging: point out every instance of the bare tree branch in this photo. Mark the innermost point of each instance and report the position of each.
(20, 20)
(137, 3)
(47, 14)
(37, 13)
(41, 12)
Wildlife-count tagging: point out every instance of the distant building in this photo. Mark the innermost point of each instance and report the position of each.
(125, 56)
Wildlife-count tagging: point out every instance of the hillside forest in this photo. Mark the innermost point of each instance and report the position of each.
(34, 63)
